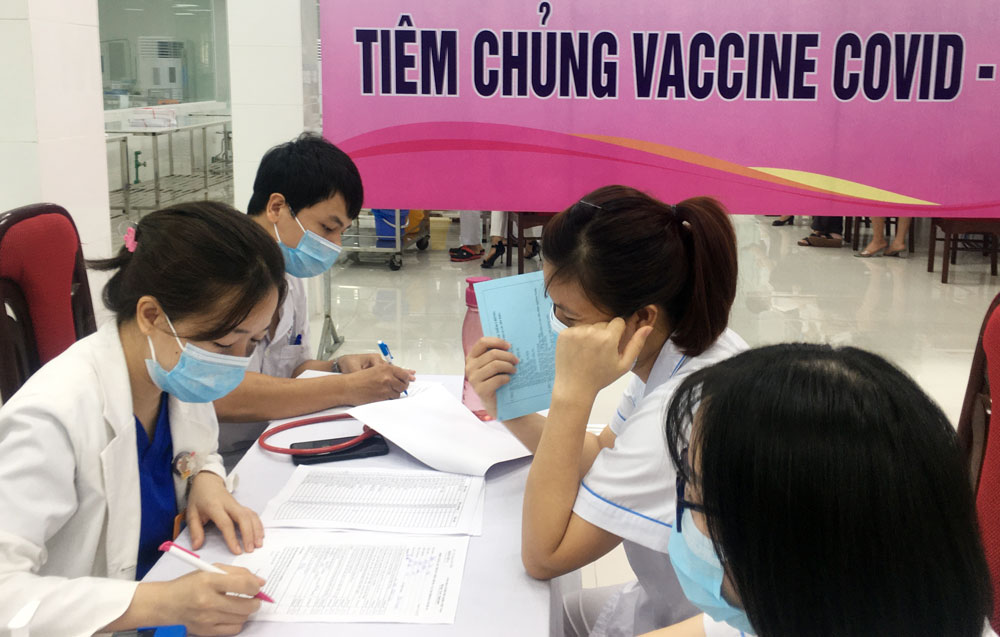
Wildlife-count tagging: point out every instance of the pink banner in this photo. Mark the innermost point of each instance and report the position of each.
(848, 108)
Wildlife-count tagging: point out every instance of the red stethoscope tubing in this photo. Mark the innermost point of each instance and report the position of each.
(262, 441)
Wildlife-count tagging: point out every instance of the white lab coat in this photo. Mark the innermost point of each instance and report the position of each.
(69, 487)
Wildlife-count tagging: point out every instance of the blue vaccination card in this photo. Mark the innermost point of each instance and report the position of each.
(516, 309)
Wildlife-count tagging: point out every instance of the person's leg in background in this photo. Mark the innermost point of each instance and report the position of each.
(470, 233)
(828, 232)
(898, 245)
(878, 242)
(498, 229)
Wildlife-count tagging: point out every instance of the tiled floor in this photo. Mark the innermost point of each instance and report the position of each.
(786, 293)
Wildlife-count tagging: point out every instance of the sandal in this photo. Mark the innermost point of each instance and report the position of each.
(533, 249)
(822, 240)
(496, 251)
(896, 253)
(864, 254)
(464, 254)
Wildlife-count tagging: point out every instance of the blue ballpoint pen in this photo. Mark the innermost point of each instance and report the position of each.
(387, 356)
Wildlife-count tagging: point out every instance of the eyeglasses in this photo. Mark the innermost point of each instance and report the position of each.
(681, 483)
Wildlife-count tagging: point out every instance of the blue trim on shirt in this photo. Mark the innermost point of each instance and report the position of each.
(619, 414)
(679, 363)
(615, 504)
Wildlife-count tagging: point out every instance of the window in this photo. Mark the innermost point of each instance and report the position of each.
(156, 52)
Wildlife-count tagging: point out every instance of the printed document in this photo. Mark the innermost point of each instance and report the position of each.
(435, 427)
(400, 501)
(516, 309)
(318, 576)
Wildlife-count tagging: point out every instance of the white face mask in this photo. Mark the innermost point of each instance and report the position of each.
(557, 325)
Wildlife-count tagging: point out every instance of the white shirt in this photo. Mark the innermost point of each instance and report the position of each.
(69, 487)
(281, 354)
(630, 492)
(278, 356)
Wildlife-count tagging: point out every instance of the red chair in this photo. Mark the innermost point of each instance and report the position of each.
(982, 443)
(44, 292)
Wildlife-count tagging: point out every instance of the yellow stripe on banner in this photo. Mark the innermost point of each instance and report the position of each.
(843, 186)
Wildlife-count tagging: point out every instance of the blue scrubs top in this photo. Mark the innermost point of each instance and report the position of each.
(156, 485)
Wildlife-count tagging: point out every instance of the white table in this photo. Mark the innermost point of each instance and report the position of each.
(497, 598)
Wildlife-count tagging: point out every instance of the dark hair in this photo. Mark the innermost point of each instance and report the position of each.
(628, 250)
(193, 257)
(306, 171)
(835, 493)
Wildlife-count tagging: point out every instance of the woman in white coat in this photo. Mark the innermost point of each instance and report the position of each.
(647, 287)
(89, 485)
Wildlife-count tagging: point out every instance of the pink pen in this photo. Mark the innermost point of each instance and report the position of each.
(192, 558)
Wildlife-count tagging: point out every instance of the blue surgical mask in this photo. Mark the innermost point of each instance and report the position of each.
(199, 376)
(700, 573)
(557, 325)
(313, 255)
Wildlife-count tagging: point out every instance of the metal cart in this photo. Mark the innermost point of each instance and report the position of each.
(361, 239)
(213, 171)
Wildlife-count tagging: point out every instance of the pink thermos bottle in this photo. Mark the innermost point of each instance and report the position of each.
(472, 331)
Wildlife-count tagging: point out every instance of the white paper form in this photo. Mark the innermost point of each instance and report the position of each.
(318, 576)
(393, 500)
(436, 428)
(516, 309)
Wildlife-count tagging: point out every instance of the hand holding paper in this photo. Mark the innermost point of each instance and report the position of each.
(489, 367)
(516, 309)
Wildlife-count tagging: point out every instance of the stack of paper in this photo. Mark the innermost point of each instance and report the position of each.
(411, 572)
(317, 576)
(426, 502)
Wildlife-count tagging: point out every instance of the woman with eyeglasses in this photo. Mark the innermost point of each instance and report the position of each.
(641, 287)
(820, 492)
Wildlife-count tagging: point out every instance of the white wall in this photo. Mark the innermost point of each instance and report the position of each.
(265, 76)
(51, 118)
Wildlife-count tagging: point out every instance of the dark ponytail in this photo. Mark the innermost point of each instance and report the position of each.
(197, 258)
(628, 250)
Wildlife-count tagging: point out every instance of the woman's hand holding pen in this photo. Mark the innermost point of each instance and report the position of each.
(488, 367)
(199, 600)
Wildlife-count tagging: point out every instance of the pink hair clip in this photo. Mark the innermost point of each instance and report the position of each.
(130, 239)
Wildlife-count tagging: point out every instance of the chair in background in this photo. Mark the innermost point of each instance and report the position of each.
(44, 294)
(952, 228)
(981, 443)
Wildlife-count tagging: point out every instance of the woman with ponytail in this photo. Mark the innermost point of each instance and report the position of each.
(642, 287)
(105, 445)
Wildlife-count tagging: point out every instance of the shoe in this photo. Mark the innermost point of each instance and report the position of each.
(864, 254)
(464, 254)
(496, 251)
(533, 250)
(454, 251)
(783, 222)
(817, 240)
(901, 253)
